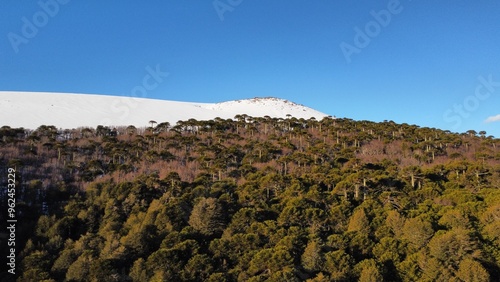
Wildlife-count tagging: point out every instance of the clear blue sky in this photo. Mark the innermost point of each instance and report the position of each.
(422, 66)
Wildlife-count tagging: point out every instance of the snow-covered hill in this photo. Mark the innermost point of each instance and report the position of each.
(64, 110)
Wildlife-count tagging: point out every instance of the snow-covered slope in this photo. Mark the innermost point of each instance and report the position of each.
(32, 109)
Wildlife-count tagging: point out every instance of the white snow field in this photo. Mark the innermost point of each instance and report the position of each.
(67, 110)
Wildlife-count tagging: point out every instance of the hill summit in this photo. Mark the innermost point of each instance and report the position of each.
(65, 110)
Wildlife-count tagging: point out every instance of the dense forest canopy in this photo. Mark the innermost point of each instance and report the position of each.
(254, 199)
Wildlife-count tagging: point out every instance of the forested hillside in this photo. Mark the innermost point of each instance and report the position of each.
(254, 199)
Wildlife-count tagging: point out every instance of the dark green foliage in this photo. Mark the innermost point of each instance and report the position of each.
(207, 217)
(256, 199)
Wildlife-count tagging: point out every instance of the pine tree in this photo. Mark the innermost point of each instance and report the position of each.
(207, 217)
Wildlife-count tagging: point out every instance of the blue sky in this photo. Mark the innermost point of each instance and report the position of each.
(431, 63)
